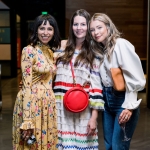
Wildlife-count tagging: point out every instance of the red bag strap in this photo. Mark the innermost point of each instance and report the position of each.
(74, 81)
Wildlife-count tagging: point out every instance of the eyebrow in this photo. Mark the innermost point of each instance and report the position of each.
(80, 22)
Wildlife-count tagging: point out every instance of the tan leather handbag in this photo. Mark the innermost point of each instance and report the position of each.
(76, 98)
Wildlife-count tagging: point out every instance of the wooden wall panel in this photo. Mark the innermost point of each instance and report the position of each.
(130, 17)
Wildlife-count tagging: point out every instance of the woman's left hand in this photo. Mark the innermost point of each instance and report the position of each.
(125, 116)
(91, 127)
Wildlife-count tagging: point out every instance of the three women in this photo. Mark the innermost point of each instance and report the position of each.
(106, 50)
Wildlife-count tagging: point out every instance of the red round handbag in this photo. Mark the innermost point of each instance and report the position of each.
(75, 99)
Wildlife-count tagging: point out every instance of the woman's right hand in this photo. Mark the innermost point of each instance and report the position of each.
(26, 134)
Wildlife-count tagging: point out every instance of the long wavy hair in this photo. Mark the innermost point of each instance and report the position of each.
(86, 56)
(55, 41)
(113, 34)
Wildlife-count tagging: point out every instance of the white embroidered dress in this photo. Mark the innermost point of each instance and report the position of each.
(72, 127)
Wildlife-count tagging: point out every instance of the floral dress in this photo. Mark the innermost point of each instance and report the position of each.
(35, 106)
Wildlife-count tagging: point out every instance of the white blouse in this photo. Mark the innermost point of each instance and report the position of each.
(125, 57)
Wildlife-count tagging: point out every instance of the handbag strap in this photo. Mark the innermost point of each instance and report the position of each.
(74, 81)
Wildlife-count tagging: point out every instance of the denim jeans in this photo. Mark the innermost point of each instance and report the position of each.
(113, 134)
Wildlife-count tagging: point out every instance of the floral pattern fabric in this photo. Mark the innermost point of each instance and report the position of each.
(35, 106)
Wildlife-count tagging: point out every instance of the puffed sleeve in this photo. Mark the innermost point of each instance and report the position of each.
(130, 64)
(59, 52)
(95, 92)
(27, 59)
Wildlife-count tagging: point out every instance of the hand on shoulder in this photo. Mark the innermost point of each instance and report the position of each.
(60, 51)
(63, 44)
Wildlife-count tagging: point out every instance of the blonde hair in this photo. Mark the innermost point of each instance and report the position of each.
(113, 33)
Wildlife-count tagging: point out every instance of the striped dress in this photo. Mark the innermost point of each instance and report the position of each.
(72, 127)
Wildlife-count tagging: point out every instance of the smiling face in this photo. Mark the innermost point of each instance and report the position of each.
(98, 31)
(79, 27)
(45, 32)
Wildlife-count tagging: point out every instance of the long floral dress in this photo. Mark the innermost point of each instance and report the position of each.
(35, 106)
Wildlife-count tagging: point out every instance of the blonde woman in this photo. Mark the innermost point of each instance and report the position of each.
(120, 106)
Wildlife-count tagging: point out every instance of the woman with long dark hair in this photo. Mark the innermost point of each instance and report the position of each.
(78, 131)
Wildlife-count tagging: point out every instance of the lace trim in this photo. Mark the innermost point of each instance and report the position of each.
(27, 125)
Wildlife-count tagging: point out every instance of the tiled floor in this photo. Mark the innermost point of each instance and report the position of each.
(140, 141)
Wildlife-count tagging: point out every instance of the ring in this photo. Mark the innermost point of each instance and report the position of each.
(126, 117)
